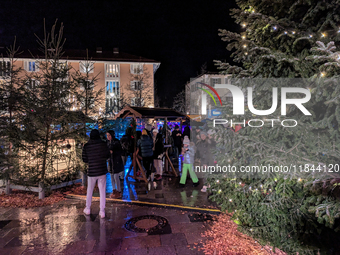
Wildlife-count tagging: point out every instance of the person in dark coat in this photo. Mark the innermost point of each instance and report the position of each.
(177, 137)
(158, 149)
(116, 166)
(145, 145)
(161, 131)
(186, 132)
(95, 153)
(127, 144)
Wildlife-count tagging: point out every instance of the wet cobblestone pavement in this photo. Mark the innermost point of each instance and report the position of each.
(63, 229)
(165, 191)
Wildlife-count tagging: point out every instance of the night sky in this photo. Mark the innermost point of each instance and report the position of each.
(182, 35)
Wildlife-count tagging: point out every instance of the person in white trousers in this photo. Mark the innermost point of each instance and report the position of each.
(158, 149)
(91, 183)
(95, 153)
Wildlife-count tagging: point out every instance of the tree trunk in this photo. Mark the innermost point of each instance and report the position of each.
(41, 190)
(45, 153)
(8, 188)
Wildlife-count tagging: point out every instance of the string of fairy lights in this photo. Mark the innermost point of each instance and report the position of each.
(279, 31)
(284, 31)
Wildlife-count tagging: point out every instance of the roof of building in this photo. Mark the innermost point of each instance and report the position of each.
(95, 55)
(145, 112)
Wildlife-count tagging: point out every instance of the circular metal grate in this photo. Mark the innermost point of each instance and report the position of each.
(146, 224)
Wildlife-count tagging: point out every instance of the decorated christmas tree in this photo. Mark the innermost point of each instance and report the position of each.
(296, 210)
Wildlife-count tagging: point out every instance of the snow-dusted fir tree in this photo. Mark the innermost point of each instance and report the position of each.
(179, 103)
(285, 39)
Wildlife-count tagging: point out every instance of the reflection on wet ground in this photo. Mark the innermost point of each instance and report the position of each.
(63, 229)
(164, 191)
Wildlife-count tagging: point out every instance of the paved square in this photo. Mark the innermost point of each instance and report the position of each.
(63, 229)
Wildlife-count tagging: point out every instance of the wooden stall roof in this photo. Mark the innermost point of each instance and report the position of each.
(146, 112)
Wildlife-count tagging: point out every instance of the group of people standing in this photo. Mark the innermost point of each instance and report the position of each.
(110, 156)
(151, 148)
(198, 146)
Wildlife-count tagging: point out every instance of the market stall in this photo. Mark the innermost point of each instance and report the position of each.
(154, 117)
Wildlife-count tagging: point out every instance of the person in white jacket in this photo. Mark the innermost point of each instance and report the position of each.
(188, 153)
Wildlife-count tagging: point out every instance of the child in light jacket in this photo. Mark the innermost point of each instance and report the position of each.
(188, 152)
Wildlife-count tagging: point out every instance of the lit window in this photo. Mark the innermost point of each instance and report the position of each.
(31, 66)
(136, 101)
(112, 88)
(73, 101)
(86, 67)
(214, 81)
(63, 65)
(72, 98)
(112, 70)
(31, 84)
(136, 85)
(136, 68)
(112, 104)
(5, 67)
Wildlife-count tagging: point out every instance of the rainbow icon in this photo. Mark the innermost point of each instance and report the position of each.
(209, 93)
